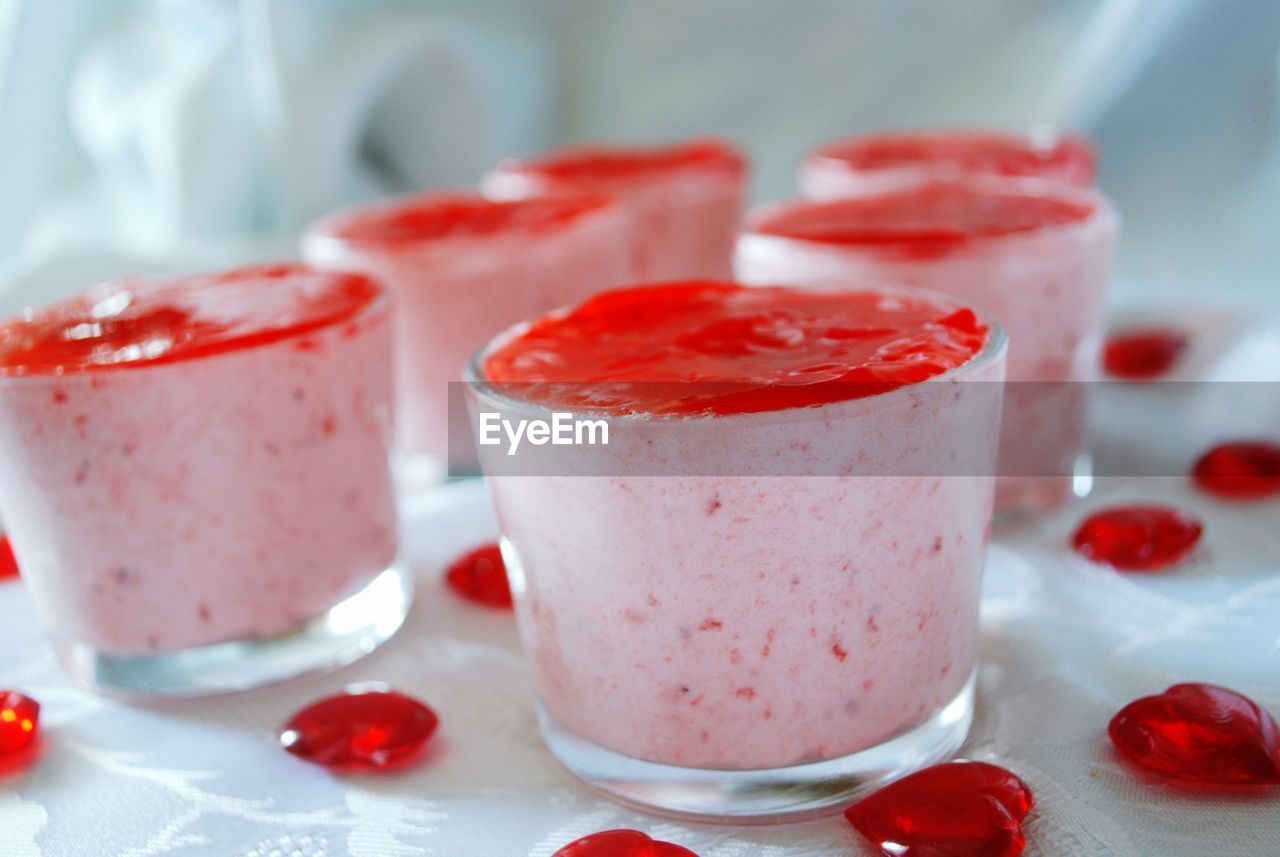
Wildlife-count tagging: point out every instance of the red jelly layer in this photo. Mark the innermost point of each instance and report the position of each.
(595, 162)
(444, 216)
(1064, 158)
(922, 220)
(700, 348)
(141, 321)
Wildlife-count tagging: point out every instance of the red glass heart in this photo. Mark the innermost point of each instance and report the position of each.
(8, 562)
(481, 576)
(957, 809)
(621, 843)
(360, 729)
(1200, 733)
(1140, 354)
(19, 722)
(1243, 470)
(1138, 537)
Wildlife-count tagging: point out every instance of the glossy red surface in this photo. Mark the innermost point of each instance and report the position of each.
(139, 321)
(699, 348)
(480, 576)
(621, 843)
(19, 722)
(1200, 734)
(8, 562)
(360, 730)
(921, 221)
(957, 809)
(1241, 470)
(1139, 537)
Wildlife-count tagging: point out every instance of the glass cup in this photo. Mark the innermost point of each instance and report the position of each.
(211, 522)
(753, 616)
(460, 268)
(875, 163)
(683, 201)
(1046, 283)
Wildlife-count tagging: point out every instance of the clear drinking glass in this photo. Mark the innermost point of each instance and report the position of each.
(1044, 278)
(683, 202)
(214, 521)
(460, 268)
(753, 616)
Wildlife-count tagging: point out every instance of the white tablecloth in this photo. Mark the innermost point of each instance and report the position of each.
(1064, 645)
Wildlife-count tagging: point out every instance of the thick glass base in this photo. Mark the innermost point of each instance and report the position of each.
(346, 632)
(765, 796)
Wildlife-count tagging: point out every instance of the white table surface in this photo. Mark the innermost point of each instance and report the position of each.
(1064, 645)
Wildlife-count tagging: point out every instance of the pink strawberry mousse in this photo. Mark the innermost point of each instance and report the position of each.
(1035, 257)
(765, 619)
(196, 460)
(683, 201)
(876, 163)
(461, 267)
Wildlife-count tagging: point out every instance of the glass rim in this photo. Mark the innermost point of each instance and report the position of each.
(993, 350)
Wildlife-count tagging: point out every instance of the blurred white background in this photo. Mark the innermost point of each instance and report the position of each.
(142, 134)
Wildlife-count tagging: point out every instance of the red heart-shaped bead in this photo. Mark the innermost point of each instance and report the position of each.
(957, 809)
(1243, 470)
(621, 843)
(1145, 353)
(19, 721)
(1200, 733)
(1139, 537)
(480, 576)
(364, 728)
(8, 562)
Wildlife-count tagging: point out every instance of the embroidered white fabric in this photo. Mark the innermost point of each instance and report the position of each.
(1064, 645)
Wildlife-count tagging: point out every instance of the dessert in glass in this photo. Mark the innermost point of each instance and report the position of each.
(759, 597)
(875, 163)
(683, 201)
(194, 474)
(1036, 256)
(461, 267)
